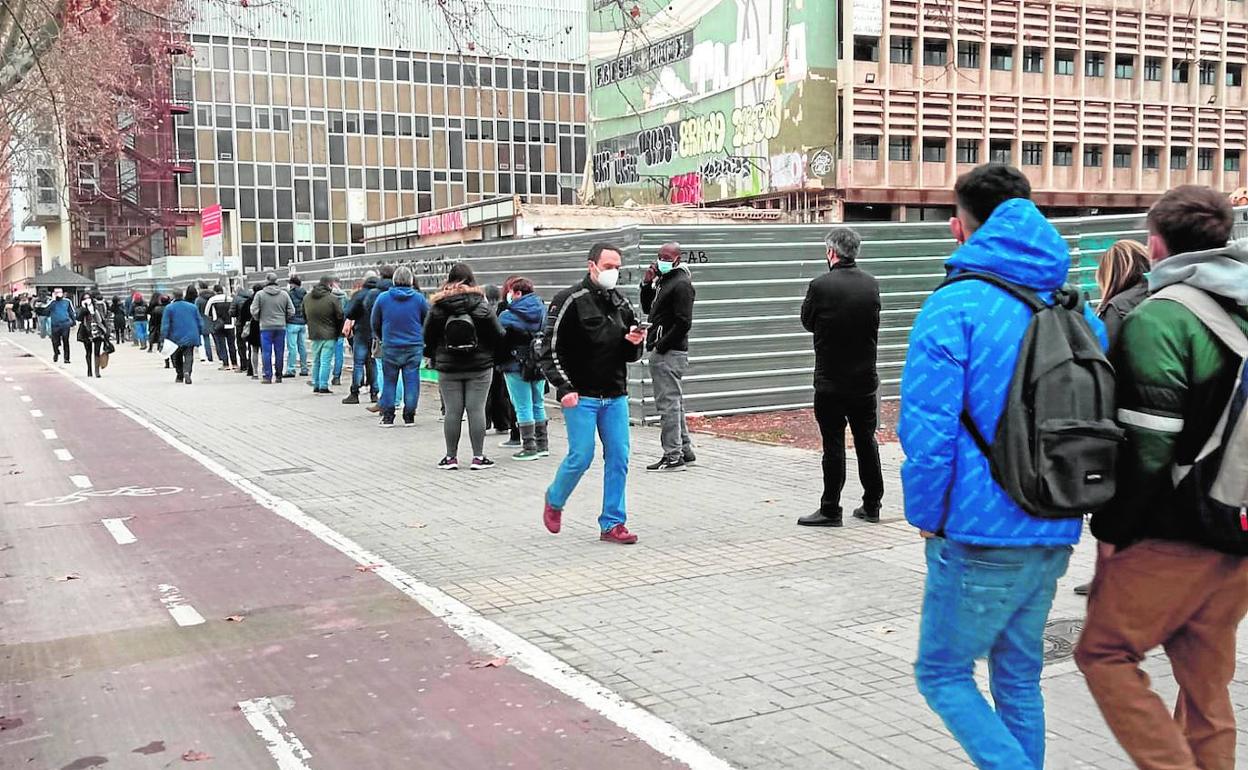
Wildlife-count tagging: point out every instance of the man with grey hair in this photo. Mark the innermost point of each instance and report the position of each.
(842, 310)
(272, 309)
(398, 320)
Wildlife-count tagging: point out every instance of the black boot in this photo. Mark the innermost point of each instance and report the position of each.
(820, 519)
(868, 513)
(352, 398)
(528, 442)
(541, 438)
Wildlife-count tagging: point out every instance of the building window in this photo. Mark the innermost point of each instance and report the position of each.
(1122, 156)
(1208, 73)
(968, 56)
(899, 147)
(1152, 68)
(934, 150)
(1000, 151)
(935, 53)
(1152, 158)
(1234, 75)
(1178, 159)
(1179, 72)
(866, 48)
(1033, 60)
(1204, 159)
(1124, 66)
(1094, 65)
(866, 148)
(901, 50)
(968, 151)
(1063, 155)
(1093, 156)
(1033, 154)
(1002, 58)
(1064, 62)
(1230, 160)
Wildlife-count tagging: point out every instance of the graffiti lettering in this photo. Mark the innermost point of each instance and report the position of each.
(686, 188)
(702, 135)
(657, 145)
(615, 168)
(660, 54)
(691, 257)
(755, 124)
(718, 168)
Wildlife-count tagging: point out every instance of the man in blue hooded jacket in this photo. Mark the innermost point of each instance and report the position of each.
(398, 320)
(992, 569)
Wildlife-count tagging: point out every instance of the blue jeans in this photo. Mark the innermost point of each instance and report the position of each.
(993, 603)
(527, 398)
(340, 352)
(207, 346)
(380, 380)
(140, 332)
(361, 353)
(322, 362)
(45, 326)
(296, 345)
(609, 418)
(405, 360)
(272, 346)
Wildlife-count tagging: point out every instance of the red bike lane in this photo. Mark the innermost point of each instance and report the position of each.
(198, 625)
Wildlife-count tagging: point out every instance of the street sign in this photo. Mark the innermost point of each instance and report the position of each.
(210, 219)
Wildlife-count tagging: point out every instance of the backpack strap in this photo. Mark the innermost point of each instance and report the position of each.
(1024, 295)
(1215, 317)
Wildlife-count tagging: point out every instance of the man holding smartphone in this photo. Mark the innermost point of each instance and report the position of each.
(591, 337)
(667, 296)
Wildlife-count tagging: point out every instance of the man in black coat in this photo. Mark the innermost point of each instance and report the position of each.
(842, 310)
(667, 296)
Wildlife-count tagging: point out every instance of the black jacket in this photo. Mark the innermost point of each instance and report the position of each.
(668, 302)
(454, 300)
(842, 310)
(297, 294)
(155, 316)
(1116, 310)
(359, 310)
(584, 350)
(140, 311)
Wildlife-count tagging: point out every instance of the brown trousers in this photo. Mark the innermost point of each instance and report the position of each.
(1189, 600)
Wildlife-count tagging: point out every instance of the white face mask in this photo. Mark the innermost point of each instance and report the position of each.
(607, 279)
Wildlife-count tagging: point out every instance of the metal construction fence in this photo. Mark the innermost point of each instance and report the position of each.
(748, 351)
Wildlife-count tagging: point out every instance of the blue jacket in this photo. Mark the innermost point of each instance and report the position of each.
(962, 353)
(182, 324)
(521, 320)
(399, 317)
(61, 314)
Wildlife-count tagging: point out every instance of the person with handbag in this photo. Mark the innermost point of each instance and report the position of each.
(93, 331)
(217, 310)
(523, 321)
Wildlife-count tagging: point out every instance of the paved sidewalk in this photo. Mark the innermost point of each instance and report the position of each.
(776, 647)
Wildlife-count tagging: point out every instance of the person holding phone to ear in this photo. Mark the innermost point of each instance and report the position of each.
(591, 337)
(667, 296)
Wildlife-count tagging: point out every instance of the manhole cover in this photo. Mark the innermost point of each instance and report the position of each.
(1060, 638)
(287, 471)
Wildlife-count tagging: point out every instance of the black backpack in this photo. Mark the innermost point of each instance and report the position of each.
(460, 333)
(1056, 448)
(529, 356)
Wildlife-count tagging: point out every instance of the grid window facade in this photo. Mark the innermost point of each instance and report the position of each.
(1033, 60)
(1094, 65)
(866, 148)
(1152, 158)
(968, 151)
(1064, 62)
(1063, 155)
(1124, 67)
(900, 148)
(1178, 158)
(1002, 58)
(1122, 156)
(1000, 151)
(935, 53)
(1230, 160)
(968, 55)
(935, 150)
(1033, 153)
(1093, 156)
(901, 50)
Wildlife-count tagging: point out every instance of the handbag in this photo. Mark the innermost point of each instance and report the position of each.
(109, 348)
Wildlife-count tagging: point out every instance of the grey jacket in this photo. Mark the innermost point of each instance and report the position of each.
(272, 308)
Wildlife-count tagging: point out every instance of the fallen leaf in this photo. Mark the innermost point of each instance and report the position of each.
(416, 525)
(367, 567)
(70, 576)
(234, 619)
(195, 756)
(491, 663)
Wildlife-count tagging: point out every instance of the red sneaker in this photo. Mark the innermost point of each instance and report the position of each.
(552, 517)
(618, 534)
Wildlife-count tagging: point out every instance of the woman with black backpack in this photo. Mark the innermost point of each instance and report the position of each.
(461, 337)
(523, 321)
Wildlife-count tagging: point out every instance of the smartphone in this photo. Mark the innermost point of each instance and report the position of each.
(644, 325)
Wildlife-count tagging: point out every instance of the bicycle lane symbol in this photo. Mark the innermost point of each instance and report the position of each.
(82, 495)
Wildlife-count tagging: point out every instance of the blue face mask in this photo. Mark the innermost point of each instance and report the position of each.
(666, 267)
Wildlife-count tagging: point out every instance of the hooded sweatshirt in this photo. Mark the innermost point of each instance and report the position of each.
(458, 299)
(522, 320)
(357, 311)
(963, 349)
(297, 295)
(272, 308)
(1174, 378)
(399, 316)
(323, 311)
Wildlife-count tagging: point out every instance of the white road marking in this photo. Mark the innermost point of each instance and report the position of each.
(121, 533)
(482, 634)
(36, 413)
(17, 387)
(25, 399)
(82, 482)
(183, 613)
(283, 745)
(63, 455)
(49, 434)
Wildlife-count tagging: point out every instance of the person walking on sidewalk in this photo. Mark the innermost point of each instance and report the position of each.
(60, 321)
(992, 568)
(240, 311)
(361, 334)
(156, 338)
(222, 327)
(139, 312)
(26, 314)
(1171, 571)
(297, 329)
(118, 310)
(523, 321)
(398, 321)
(183, 325)
(323, 311)
(842, 311)
(93, 331)
(667, 296)
(461, 337)
(591, 337)
(41, 313)
(272, 309)
(202, 295)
